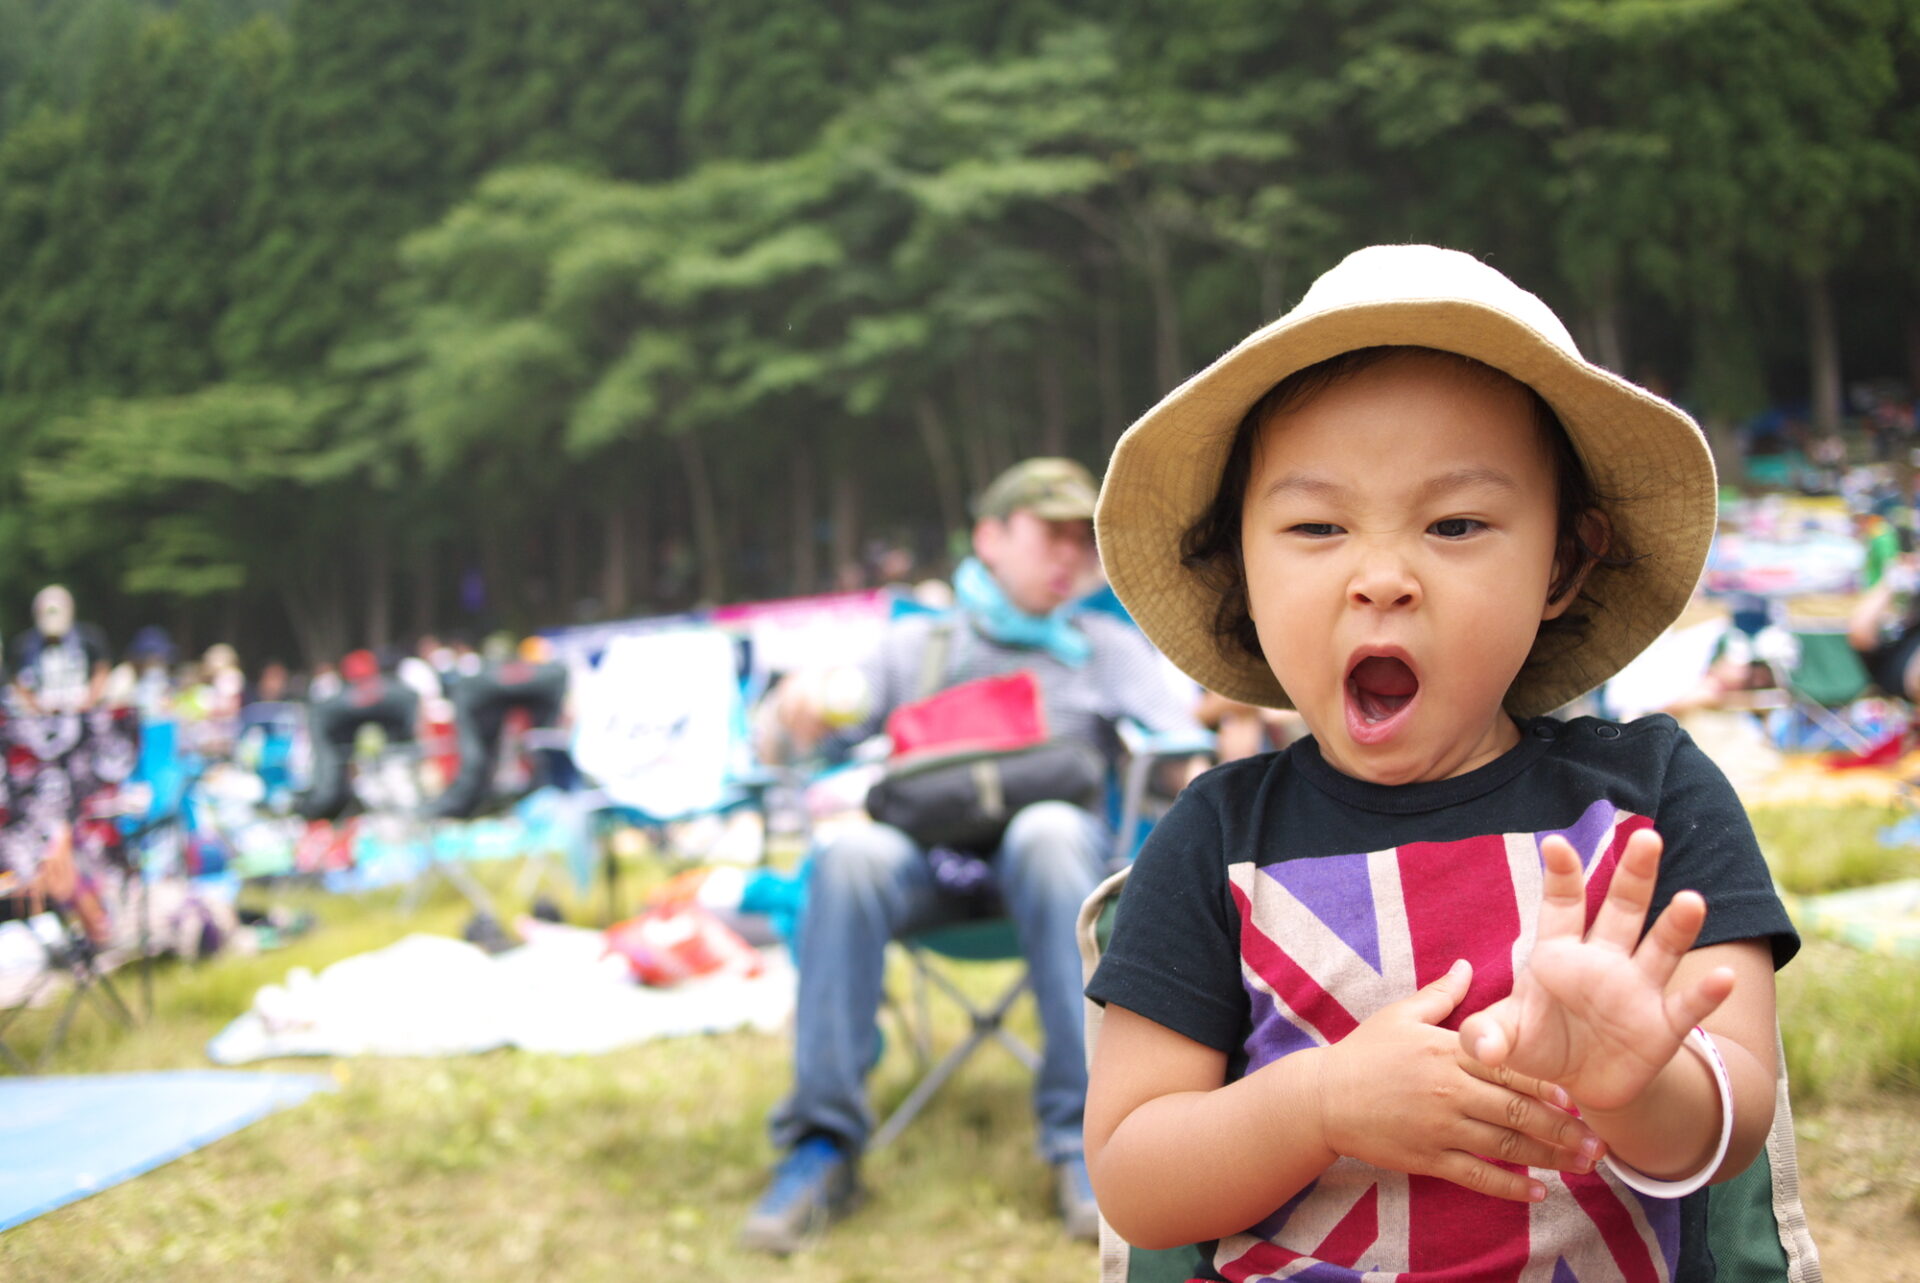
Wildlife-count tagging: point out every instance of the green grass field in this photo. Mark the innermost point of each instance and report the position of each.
(639, 1164)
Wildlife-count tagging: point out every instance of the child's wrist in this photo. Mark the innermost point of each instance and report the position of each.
(1700, 1045)
(1313, 1063)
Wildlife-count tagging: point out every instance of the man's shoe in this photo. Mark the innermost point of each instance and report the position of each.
(813, 1186)
(1074, 1192)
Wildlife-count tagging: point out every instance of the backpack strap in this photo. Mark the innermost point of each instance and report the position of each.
(933, 659)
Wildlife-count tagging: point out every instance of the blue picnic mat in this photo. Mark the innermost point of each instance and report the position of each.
(63, 1138)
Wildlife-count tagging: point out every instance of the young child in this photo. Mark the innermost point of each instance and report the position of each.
(1380, 1004)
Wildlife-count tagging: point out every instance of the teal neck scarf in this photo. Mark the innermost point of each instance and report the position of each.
(986, 604)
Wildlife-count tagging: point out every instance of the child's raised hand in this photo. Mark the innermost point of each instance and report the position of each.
(1591, 1010)
(1398, 1092)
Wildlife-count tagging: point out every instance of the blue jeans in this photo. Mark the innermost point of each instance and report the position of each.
(873, 885)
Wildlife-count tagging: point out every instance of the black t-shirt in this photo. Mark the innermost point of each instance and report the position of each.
(1279, 902)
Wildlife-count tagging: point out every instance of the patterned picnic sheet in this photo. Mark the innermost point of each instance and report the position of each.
(1880, 919)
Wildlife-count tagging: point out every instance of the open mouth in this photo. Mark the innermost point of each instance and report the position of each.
(1379, 689)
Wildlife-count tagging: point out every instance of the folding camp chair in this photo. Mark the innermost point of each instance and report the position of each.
(1828, 675)
(988, 940)
(65, 798)
(661, 738)
(1756, 1223)
(71, 956)
(993, 940)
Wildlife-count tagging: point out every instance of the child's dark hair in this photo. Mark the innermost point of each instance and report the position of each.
(1210, 547)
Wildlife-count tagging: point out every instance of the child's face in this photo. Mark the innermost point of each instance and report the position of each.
(1398, 536)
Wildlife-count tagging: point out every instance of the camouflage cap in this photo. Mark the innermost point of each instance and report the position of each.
(1056, 489)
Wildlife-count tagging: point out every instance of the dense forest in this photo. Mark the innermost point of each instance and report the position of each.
(325, 322)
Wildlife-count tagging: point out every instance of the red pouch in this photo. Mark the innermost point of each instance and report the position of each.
(986, 715)
(679, 940)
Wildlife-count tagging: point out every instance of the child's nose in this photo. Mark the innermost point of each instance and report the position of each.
(1383, 582)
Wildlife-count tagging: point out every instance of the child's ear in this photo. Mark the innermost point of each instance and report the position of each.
(1596, 532)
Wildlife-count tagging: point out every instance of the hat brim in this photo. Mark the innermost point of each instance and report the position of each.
(1647, 459)
(1062, 509)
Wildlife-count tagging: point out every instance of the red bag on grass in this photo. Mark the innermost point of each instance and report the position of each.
(679, 940)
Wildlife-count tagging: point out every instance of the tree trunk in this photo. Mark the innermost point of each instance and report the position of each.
(846, 526)
(1723, 441)
(296, 601)
(1913, 350)
(706, 523)
(493, 572)
(613, 563)
(379, 584)
(1169, 362)
(336, 629)
(425, 586)
(1823, 354)
(947, 488)
(977, 453)
(1273, 284)
(1609, 348)
(1006, 445)
(1052, 395)
(644, 551)
(230, 619)
(566, 569)
(1110, 382)
(804, 566)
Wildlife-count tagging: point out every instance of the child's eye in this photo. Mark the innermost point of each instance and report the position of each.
(1456, 527)
(1314, 529)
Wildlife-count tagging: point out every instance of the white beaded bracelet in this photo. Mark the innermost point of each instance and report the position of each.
(1645, 1184)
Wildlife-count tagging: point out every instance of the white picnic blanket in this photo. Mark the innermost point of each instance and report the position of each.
(434, 996)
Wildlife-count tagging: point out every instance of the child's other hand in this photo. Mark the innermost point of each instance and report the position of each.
(1398, 1093)
(1591, 1009)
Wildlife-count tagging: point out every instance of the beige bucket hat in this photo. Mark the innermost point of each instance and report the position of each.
(1647, 459)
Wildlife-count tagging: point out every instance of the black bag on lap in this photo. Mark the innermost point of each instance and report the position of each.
(965, 800)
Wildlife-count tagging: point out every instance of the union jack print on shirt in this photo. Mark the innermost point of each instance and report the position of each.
(1326, 942)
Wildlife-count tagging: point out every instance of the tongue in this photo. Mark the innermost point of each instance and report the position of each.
(1382, 687)
(1385, 677)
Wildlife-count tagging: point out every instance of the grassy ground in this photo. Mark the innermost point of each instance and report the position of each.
(641, 1163)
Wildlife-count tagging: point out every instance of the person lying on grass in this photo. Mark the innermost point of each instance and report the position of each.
(1386, 1001)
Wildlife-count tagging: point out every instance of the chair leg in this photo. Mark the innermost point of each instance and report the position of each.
(987, 1023)
(1836, 728)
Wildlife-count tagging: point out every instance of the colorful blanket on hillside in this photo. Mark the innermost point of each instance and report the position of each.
(1880, 919)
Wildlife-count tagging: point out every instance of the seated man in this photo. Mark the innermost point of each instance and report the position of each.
(1033, 556)
(1884, 626)
(59, 665)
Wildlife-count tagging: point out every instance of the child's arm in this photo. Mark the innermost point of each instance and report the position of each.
(1603, 1013)
(1176, 1157)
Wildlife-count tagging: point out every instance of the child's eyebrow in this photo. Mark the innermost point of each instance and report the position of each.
(1437, 487)
(1303, 483)
(1465, 479)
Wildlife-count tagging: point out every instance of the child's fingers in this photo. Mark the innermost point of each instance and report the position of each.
(1435, 1000)
(1673, 934)
(1688, 1006)
(1490, 1140)
(1526, 1107)
(1488, 1034)
(1483, 1177)
(1624, 911)
(1563, 892)
(1536, 1089)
